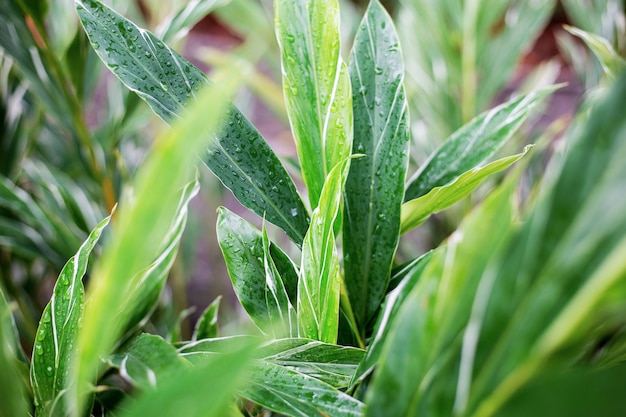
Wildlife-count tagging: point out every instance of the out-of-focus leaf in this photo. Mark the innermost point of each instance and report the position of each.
(205, 390)
(320, 277)
(206, 327)
(280, 311)
(565, 271)
(296, 394)
(148, 362)
(375, 184)
(472, 144)
(387, 315)
(195, 351)
(150, 282)
(240, 157)
(14, 401)
(612, 63)
(243, 250)
(332, 364)
(316, 86)
(415, 212)
(570, 393)
(178, 25)
(57, 334)
(425, 336)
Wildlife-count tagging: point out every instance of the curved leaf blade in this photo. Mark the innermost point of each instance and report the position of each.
(178, 25)
(240, 157)
(375, 184)
(472, 144)
(57, 333)
(206, 327)
(415, 212)
(316, 87)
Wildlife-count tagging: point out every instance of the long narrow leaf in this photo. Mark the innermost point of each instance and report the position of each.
(316, 86)
(57, 334)
(240, 157)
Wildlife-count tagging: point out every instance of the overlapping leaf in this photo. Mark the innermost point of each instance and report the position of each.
(375, 184)
(178, 26)
(207, 327)
(316, 86)
(320, 279)
(240, 157)
(612, 63)
(57, 334)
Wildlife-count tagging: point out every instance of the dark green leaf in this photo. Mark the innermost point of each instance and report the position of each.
(206, 327)
(240, 157)
(472, 144)
(375, 184)
(57, 334)
(316, 87)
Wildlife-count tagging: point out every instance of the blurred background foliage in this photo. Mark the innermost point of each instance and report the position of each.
(71, 136)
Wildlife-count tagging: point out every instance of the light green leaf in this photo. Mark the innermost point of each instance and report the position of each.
(472, 144)
(320, 277)
(415, 212)
(148, 362)
(375, 184)
(417, 368)
(612, 63)
(206, 327)
(335, 365)
(57, 335)
(239, 157)
(316, 86)
(178, 25)
(244, 252)
(205, 390)
(14, 401)
(296, 394)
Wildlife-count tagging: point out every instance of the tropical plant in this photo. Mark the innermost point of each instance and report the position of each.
(520, 297)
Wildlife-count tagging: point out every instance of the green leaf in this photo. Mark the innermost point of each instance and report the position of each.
(240, 157)
(472, 144)
(612, 63)
(150, 281)
(205, 390)
(388, 312)
(57, 334)
(148, 362)
(375, 184)
(335, 365)
(417, 358)
(415, 212)
(316, 87)
(244, 252)
(14, 401)
(320, 277)
(564, 270)
(178, 26)
(296, 394)
(206, 327)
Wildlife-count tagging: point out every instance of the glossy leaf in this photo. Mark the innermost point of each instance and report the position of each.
(205, 390)
(320, 279)
(316, 87)
(14, 401)
(424, 339)
(243, 249)
(375, 184)
(563, 269)
(415, 212)
(240, 157)
(292, 393)
(472, 144)
(612, 63)
(388, 312)
(178, 25)
(335, 365)
(150, 282)
(206, 327)
(147, 362)
(57, 334)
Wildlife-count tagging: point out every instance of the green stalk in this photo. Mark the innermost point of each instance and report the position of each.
(468, 60)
